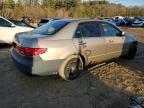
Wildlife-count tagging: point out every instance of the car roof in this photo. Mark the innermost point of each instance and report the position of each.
(50, 18)
(79, 20)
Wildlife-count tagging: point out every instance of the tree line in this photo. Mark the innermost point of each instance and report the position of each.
(37, 9)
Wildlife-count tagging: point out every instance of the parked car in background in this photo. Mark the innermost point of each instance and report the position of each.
(118, 17)
(138, 23)
(46, 20)
(128, 21)
(110, 20)
(9, 29)
(120, 22)
(21, 23)
(66, 46)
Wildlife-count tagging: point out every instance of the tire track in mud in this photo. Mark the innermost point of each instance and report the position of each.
(120, 78)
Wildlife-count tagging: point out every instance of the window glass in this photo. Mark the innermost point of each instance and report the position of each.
(4, 23)
(44, 21)
(90, 30)
(110, 30)
(78, 33)
(51, 27)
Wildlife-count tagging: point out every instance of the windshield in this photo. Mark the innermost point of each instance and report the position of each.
(51, 27)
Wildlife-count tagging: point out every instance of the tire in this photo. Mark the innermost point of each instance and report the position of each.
(71, 68)
(132, 51)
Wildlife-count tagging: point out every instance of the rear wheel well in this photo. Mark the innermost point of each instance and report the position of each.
(83, 59)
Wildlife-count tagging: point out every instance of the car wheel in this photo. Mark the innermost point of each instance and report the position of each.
(71, 68)
(132, 51)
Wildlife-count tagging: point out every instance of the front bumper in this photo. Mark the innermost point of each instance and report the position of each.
(35, 65)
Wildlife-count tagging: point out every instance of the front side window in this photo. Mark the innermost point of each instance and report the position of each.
(4, 23)
(90, 30)
(110, 30)
(51, 27)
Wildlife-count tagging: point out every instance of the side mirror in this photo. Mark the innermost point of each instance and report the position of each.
(123, 33)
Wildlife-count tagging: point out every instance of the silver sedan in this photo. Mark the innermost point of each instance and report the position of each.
(66, 46)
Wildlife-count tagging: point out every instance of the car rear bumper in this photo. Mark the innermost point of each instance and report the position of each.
(35, 65)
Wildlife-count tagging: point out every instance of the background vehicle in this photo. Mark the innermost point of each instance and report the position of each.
(9, 29)
(46, 20)
(66, 46)
(110, 20)
(118, 17)
(120, 22)
(138, 23)
(128, 21)
(21, 23)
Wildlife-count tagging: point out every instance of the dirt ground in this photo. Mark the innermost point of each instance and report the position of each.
(102, 86)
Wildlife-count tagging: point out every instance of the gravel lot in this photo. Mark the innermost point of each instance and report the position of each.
(105, 86)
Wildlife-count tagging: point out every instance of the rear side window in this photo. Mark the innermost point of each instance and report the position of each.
(90, 29)
(4, 23)
(110, 30)
(51, 27)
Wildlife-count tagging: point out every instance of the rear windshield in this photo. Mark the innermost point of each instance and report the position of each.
(51, 27)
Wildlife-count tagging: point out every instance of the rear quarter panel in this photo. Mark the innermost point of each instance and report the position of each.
(57, 49)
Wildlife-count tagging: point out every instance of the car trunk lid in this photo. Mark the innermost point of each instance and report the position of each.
(27, 39)
(27, 44)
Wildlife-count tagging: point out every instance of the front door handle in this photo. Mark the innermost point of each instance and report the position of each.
(82, 43)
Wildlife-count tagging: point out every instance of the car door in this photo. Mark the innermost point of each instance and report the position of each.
(114, 39)
(6, 31)
(90, 42)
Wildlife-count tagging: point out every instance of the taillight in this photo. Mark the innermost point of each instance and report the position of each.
(31, 51)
